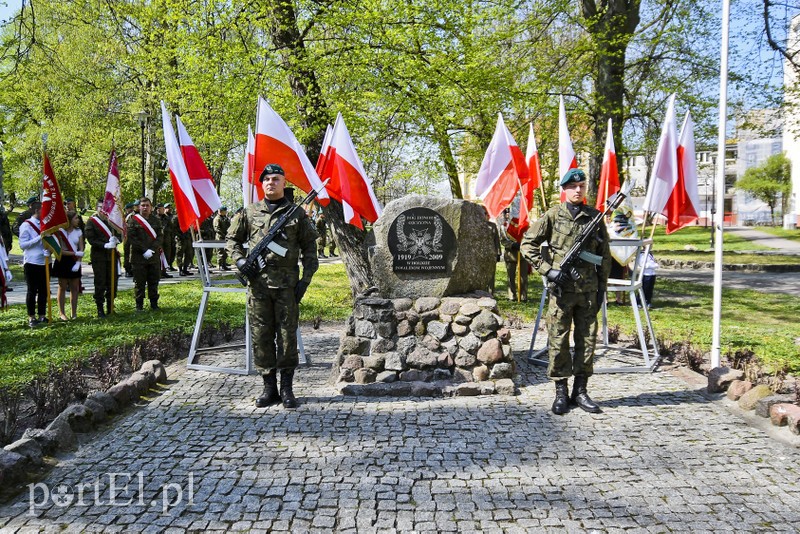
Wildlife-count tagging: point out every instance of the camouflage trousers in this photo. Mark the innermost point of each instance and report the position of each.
(184, 253)
(273, 329)
(580, 310)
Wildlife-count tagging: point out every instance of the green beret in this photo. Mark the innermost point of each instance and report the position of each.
(167, 205)
(136, 202)
(160, 205)
(129, 206)
(573, 175)
(69, 199)
(223, 208)
(34, 198)
(271, 168)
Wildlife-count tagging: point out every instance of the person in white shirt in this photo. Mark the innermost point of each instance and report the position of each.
(34, 257)
(649, 266)
(67, 268)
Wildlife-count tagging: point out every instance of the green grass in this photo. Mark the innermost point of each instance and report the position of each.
(763, 323)
(730, 258)
(777, 231)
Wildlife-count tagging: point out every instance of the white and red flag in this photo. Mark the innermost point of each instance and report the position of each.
(349, 177)
(609, 174)
(665, 166)
(251, 189)
(567, 158)
(683, 206)
(502, 172)
(53, 215)
(534, 180)
(205, 191)
(275, 143)
(185, 203)
(112, 199)
(323, 166)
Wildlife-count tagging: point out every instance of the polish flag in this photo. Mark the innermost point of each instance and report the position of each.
(534, 180)
(112, 201)
(324, 165)
(609, 174)
(275, 143)
(251, 189)
(205, 192)
(566, 154)
(185, 203)
(347, 172)
(665, 166)
(502, 172)
(683, 205)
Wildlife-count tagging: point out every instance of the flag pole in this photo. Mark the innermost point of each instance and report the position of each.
(720, 187)
(113, 279)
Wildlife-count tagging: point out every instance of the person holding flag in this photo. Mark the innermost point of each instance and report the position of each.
(511, 236)
(145, 236)
(573, 302)
(34, 257)
(103, 239)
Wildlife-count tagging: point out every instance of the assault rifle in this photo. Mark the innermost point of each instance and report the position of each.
(250, 268)
(576, 252)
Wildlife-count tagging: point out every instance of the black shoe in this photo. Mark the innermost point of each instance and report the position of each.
(561, 403)
(154, 304)
(226, 268)
(101, 313)
(128, 274)
(171, 268)
(270, 397)
(580, 398)
(9, 289)
(289, 401)
(165, 274)
(33, 323)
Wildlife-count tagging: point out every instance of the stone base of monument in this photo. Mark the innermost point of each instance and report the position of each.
(427, 346)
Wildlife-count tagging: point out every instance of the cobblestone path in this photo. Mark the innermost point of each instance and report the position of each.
(661, 458)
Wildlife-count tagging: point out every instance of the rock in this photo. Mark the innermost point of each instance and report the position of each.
(396, 389)
(353, 345)
(375, 362)
(451, 346)
(487, 387)
(402, 304)
(350, 326)
(142, 381)
(364, 376)
(470, 343)
(491, 352)
(123, 393)
(465, 359)
(386, 376)
(12, 467)
(442, 374)
(352, 362)
(431, 343)
(346, 375)
(444, 361)
(487, 303)
(365, 329)
(450, 306)
(786, 414)
(394, 361)
(748, 400)
(459, 329)
(504, 335)
(415, 375)
(404, 328)
(461, 375)
(507, 352)
(78, 417)
(27, 447)
(480, 373)
(763, 405)
(484, 324)
(412, 317)
(98, 411)
(462, 319)
(737, 388)
(447, 319)
(428, 316)
(47, 439)
(469, 309)
(158, 370)
(501, 370)
(425, 389)
(505, 387)
(720, 378)
(63, 433)
(406, 345)
(421, 358)
(386, 328)
(426, 304)
(107, 401)
(468, 389)
(374, 313)
(382, 344)
(419, 330)
(438, 329)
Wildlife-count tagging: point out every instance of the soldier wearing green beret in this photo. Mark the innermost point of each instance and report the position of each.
(578, 302)
(221, 225)
(34, 206)
(274, 296)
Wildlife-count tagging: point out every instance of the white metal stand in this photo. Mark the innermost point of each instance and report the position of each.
(223, 285)
(633, 287)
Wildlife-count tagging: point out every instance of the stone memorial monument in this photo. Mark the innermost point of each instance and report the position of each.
(431, 326)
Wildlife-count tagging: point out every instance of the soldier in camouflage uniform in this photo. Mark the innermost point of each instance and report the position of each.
(274, 295)
(184, 251)
(578, 304)
(145, 260)
(221, 225)
(102, 246)
(512, 259)
(322, 228)
(169, 238)
(5, 229)
(207, 234)
(163, 218)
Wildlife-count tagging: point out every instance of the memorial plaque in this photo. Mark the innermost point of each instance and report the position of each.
(420, 241)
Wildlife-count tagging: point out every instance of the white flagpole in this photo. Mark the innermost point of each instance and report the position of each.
(719, 206)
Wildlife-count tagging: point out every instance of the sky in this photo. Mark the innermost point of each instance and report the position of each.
(8, 8)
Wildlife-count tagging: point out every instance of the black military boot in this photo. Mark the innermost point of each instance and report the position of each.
(101, 313)
(286, 388)
(580, 398)
(139, 305)
(154, 304)
(270, 396)
(561, 404)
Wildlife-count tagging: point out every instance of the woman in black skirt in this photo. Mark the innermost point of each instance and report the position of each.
(68, 268)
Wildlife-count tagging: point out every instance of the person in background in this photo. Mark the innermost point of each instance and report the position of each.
(34, 257)
(67, 268)
(649, 266)
(103, 239)
(5, 229)
(221, 225)
(25, 215)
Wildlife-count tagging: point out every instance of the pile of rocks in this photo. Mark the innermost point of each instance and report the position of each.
(28, 451)
(426, 346)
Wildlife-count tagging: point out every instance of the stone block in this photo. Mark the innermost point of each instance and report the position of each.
(446, 319)
(158, 370)
(468, 389)
(102, 397)
(737, 388)
(459, 329)
(763, 405)
(439, 330)
(451, 346)
(428, 316)
(376, 362)
(444, 361)
(27, 447)
(470, 343)
(353, 345)
(63, 433)
(487, 303)
(78, 417)
(501, 370)
(462, 375)
(12, 467)
(365, 329)
(394, 361)
(373, 314)
(406, 344)
(395, 389)
(505, 386)
(47, 439)
(352, 362)
(425, 389)
(386, 376)
(386, 329)
(786, 414)
(421, 358)
(402, 304)
(123, 393)
(469, 309)
(404, 328)
(748, 400)
(364, 376)
(142, 381)
(416, 375)
(462, 320)
(98, 411)
(720, 378)
(442, 374)
(382, 344)
(487, 387)
(346, 375)
(431, 343)
(485, 324)
(480, 373)
(490, 352)
(465, 359)
(426, 304)
(450, 306)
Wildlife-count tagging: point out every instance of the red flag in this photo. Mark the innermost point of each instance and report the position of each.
(205, 192)
(324, 165)
(502, 172)
(53, 215)
(566, 154)
(609, 175)
(275, 143)
(684, 202)
(112, 201)
(185, 203)
(347, 172)
(515, 230)
(534, 180)
(251, 189)
(665, 166)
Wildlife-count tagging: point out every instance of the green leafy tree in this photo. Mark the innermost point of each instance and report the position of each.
(770, 182)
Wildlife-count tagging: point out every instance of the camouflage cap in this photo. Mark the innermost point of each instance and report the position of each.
(271, 168)
(573, 175)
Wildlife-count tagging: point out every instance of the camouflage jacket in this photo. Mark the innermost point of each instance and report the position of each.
(221, 225)
(141, 240)
(299, 238)
(560, 231)
(166, 227)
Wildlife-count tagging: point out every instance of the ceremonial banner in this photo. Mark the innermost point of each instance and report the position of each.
(665, 166)
(112, 200)
(53, 215)
(251, 189)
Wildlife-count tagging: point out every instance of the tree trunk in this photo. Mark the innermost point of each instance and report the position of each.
(443, 140)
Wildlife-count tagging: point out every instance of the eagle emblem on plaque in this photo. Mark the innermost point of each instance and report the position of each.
(418, 241)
